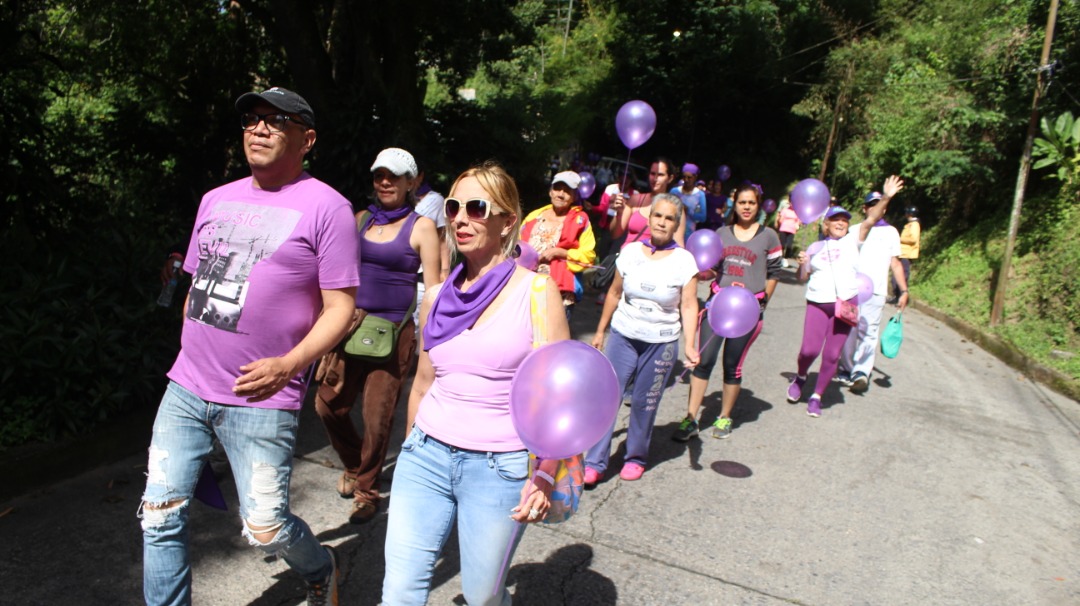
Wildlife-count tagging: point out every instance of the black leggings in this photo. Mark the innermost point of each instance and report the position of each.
(735, 351)
(786, 240)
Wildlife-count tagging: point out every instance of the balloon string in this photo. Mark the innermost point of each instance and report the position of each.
(513, 538)
(626, 169)
(686, 370)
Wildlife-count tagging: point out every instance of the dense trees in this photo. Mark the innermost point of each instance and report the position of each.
(117, 116)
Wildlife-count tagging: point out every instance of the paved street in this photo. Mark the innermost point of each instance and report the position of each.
(952, 481)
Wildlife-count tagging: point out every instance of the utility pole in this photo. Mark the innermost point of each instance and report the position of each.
(841, 99)
(1042, 80)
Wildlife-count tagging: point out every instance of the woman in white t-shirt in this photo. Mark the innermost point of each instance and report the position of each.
(831, 266)
(651, 301)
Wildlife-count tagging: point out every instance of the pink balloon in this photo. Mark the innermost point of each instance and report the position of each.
(587, 186)
(563, 399)
(769, 206)
(635, 123)
(528, 257)
(706, 247)
(810, 199)
(733, 312)
(866, 287)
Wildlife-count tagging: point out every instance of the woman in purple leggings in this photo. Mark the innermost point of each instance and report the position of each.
(830, 264)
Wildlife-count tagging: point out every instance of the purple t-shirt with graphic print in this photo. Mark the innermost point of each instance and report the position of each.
(258, 262)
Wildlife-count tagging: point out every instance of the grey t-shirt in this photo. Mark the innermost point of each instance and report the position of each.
(751, 263)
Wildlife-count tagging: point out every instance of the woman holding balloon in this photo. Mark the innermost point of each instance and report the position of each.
(831, 265)
(562, 237)
(463, 461)
(751, 259)
(632, 214)
(652, 299)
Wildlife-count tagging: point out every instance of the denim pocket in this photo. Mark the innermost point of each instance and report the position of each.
(512, 466)
(413, 440)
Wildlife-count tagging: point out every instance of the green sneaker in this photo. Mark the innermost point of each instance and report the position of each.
(688, 428)
(722, 428)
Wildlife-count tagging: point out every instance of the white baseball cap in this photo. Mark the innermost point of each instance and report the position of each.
(568, 177)
(397, 161)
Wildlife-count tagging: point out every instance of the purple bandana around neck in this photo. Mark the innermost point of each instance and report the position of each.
(881, 222)
(670, 245)
(454, 311)
(381, 216)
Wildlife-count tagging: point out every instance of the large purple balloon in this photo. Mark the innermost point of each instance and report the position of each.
(706, 247)
(635, 123)
(810, 199)
(563, 399)
(528, 258)
(769, 206)
(866, 287)
(723, 172)
(733, 312)
(587, 185)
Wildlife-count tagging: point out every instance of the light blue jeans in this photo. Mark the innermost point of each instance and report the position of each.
(259, 443)
(436, 484)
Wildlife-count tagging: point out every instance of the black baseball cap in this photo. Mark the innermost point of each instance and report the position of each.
(281, 98)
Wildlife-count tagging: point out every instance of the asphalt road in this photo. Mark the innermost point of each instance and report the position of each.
(952, 481)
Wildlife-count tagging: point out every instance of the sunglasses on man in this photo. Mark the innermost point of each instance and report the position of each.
(477, 209)
(275, 122)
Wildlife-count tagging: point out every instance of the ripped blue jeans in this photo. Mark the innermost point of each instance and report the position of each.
(259, 443)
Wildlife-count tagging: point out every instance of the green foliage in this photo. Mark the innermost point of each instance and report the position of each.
(81, 338)
(1059, 147)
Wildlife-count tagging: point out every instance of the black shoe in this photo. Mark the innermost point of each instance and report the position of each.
(687, 429)
(842, 378)
(326, 592)
(859, 383)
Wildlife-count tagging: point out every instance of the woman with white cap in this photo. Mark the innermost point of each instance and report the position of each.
(562, 236)
(394, 243)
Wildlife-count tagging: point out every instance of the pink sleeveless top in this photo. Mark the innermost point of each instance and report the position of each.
(637, 229)
(468, 404)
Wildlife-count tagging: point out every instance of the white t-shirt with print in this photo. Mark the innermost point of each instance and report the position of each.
(833, 266)
(652, 293)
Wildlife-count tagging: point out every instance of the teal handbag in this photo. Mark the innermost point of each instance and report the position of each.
(892, 336)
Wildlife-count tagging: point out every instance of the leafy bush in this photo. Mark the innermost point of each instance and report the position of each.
(81, 337)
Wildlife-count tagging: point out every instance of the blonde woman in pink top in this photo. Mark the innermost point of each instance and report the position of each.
(463, 462)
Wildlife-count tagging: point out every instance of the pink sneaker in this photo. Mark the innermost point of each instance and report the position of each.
(591, 476)
(631, 472)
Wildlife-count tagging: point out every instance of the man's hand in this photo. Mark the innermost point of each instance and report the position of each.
(892, 186)
(167, 269)
(263, 378)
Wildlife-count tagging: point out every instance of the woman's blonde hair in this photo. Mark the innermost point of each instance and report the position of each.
(503, 193)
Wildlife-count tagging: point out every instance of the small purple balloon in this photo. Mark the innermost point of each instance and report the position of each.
(810, 199)
(563, 399)
(707, 248)
(528, 257)
(587, 185)
(723, 172)
(769, 206)
(733, 312)
(866, 287)
(635, 123)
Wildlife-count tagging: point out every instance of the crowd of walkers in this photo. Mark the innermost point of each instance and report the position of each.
(274, 309)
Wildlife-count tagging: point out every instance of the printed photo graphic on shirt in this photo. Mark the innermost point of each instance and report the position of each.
(231, 242)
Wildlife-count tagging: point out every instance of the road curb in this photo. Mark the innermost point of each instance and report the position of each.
(1007, 353)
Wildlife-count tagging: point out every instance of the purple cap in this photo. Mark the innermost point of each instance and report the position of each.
(835, 211)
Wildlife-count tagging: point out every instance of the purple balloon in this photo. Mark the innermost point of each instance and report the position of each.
(866, 287)
(769, 206)
(733, 312)
(563, 399)
(635, 123)
(706, 247)
(588, 184)
(723, 172)
(810, 199)
(528, 257)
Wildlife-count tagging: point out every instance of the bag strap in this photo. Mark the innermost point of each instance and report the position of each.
(362, 219)
(538, 309)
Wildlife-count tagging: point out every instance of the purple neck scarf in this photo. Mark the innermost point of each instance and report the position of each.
(881, 222)
(453, 311)
(381, 216)
(670, 245)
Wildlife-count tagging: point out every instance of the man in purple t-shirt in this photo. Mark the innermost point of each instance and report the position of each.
(274, 263)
